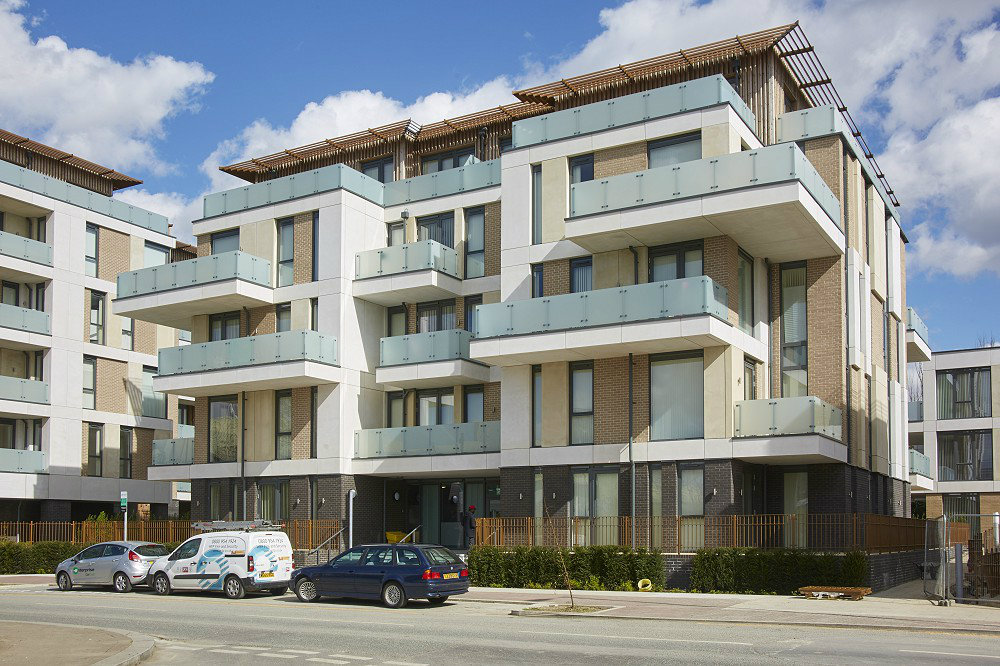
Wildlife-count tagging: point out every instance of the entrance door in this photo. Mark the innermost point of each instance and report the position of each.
(796, 509)
(430, 513)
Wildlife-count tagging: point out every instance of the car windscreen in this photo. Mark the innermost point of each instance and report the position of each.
(441, 556)
(151, 550)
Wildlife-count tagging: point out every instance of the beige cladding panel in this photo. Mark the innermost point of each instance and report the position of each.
(995, 389)
(617, 268)
(555, 198)
(259, 239)
(555, 398)
(16, 224)
(719, 140)
(110, 468)
(199, 329)
(260, 425)
(12, 363)
(137, 253)
(877, 256)
(723, 374)
(301, 309)
(165, 337)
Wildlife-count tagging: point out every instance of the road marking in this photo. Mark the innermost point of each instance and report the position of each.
(301, 651)
(182, 647)
(349, 656)
(247, 647)
(327, 619)
(954, 654)
(220, 651)
(403, 663)
(327, 661)
(275, 654)
(640, 638)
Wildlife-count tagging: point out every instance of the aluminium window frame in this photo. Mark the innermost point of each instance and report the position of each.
(87, 259)
(584, 160)
(792, 265)
(92, 361)
(278, 434)
(678, 250)
(221, 235)
(282, 224)
(675, 140)
(125, 452)
(576, 366)
(475, 210)
(380, 164)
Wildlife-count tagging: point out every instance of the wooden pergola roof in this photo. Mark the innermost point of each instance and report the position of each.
(118, 180)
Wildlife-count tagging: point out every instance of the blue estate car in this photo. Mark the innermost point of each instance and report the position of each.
(393, 573)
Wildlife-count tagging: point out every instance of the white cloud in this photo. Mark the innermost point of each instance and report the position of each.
(179, 208)
(87, 103)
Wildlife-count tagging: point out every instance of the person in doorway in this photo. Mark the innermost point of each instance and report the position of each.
(470, 526)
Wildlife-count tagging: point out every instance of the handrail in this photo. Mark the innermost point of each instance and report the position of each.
(410, 533)
(325, 543)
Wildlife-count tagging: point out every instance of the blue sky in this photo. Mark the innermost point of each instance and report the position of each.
(167, 91)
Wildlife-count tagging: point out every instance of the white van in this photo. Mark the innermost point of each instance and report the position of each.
(251, 557)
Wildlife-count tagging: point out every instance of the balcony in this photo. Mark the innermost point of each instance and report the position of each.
(429, 359)
(23, 461)
(920, 471)
(408, 273)
(31, 256)
(22, 328)
(675, 315)
(178, 451)
(475, 176)
(788, 430)
(24, 390)
(918, 346)
(173, 293)
(428, 449)
(915, 411)
(770, 200)
(276, 361)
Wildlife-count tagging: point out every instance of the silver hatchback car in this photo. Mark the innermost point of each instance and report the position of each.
(121, 564)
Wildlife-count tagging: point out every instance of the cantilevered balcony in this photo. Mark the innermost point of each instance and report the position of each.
(918, 346)
(802, 429)
(459, 447)
(24, 390)
(173, 293)
(408, 273)
(177, 451)
(23, 461)
(674, 315)
(429, 359)
(770, 200)
(23, 328)
(24, 259)
(474, 176)
(276, 361)
(920, 471)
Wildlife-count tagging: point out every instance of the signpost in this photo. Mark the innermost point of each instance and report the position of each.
(124, 506)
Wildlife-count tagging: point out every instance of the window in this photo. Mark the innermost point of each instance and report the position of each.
(395, 416)
(506, 143)
(396, 321)
(90, 251)
(89, 382)
(536, 405)
(581, 168)
(382, 170)
(965, 505)
(225, 326)
(313, 417)
(97, 317)
(581, 401)
(691, 489)
(283, 425)
(435, 316)
(672, 262)
(153, 404)
(794, 358)
(286, 251)
(128, 330)
(536, 204)
(215, 501)
(95, 448)
(963, 393)
(283, 317)
(472, 409)
(92, 552)
(40, 297)
(676, 396)
(11, 294)
(537, 280)
(350, 558)
(378, 557)
(749, 380)
(471, 316)
(226, 241)
(440, 228)
(125, 453)
(475, 242)
(449, 160)
(965, 456)
(744, 281)
(314, 314)
(435, 407)
(8, 428)
(581, 275)
(185, 414)
(395, 233)
(595, 506)
(275, 501)
(39, 365)
(676, 149)
(223, 429)
(407, 557)
(155, 255)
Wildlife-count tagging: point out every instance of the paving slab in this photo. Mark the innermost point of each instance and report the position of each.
(38, 642)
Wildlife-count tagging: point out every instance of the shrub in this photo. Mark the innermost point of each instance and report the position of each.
(35, 558)
(776, 571)
(589, 567)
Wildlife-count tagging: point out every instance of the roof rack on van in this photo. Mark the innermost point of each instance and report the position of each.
(236, 525)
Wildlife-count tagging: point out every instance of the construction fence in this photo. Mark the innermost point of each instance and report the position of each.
(962, 559)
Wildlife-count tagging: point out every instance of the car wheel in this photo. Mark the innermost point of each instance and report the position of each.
(393, 595)
(438, 600)
(122, 583)
(278, 591)
(234, 588)
(161, 584)
(64, 582)
(305, 590)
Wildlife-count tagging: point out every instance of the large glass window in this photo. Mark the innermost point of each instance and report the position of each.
(964, 393)
(537, 280)
(97, 317)
(581, 168)
(435, 316)
(90, 251)
(283, 317)
(440, 228)
(595, 506)
(225, 326)
(215, 501)
(395, 416)
(125, 453)
(396, 321)
(395, 233)
(581, 275)
(153, 404)
(473, 409)
(226, 241)
(314, 314)
(581, 400)
(536, 405)
(286, 251)
(282, 425)
(475, 242)
(536, 204)
(223, 428)
(744, 279)
(794, 358)
(95, 448)
(471, 314)
(275, 501)
(691, 493)
(677, 397)
(680, 260)
(965, 456)
(11, 294)
(674, 150)
(435, 407)
(155, 255)
(89, 382)
(449, 160)
(381, 170)
(749, 380)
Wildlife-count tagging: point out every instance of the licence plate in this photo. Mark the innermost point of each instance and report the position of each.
(450, 575)
(267, 574)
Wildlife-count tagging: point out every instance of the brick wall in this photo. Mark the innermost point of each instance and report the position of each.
(557, 484)
(112, 254)
(86, 314)
(459, 312)
(491, 249)
(144, 337)
(555, 276)
(878, 356)
(611, 400)
(56, 511)
(298, 489)
(722, 478)
(301, 420)
(517, 488)
(142, 454)
(935, 506)
(825, 324)
(84, 457)
(893, 369)
(261, 320)
(491, 401)
(303, 248)
(111, 376)
(201, 430)
(827, 157)
(411, 318)
(641, 491)
(204, 245)
(629, 158)
(721, 263)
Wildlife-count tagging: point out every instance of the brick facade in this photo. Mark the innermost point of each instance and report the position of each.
(721, 263)
(142, 453)
(618, 160)
(200, 430)
(301, 422)
(491, 248)
(261, 320)
(303, 248)
(204, 245)
(491, 401)
(144, 337)
(111, 383)
(112, 254)
(825, 329)
(555, 277)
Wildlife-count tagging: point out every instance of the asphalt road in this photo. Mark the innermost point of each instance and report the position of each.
(203, 628)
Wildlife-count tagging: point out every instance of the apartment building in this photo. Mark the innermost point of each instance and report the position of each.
(689, 266)
(77, 411)
(954, 431)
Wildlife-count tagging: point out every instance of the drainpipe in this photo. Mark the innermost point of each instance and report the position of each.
(631, 459)
(350, 517)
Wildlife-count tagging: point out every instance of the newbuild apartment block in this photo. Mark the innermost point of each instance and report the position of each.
(954, 423)
(78, 413)
(677, 283)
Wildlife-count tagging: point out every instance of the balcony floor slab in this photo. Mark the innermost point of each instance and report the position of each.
(788, 449)
(176, 307)
(921, 482)
(432, 374)
(291, 374)
(916, 349)
(412, 287)
(475, 464)
(13, 338)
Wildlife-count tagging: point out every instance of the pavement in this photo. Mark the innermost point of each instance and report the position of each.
(45, 642)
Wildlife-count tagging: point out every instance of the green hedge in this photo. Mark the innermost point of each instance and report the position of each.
(779, 571)
(39, 558)
(589, 567)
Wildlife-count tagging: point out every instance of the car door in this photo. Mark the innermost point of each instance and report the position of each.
(375, 565)
(336, 579)
(107, 564)
(182, 565)
(82, 571)
(409, 566)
